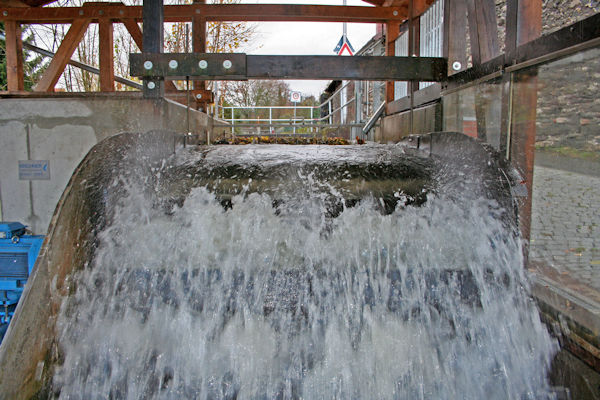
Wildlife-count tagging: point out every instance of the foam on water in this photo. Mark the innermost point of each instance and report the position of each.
(251, 302)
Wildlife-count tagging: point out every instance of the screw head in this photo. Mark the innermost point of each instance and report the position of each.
(395, 13)
(148, 65)
(5, 13)
(173, 64)
(151, 85)
(456, 65)
(80, 12)
(227, 64)
(203, 64)
(198, 96)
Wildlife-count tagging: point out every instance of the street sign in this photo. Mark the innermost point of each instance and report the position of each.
(33, 170)
(344, 45)
(295, 97)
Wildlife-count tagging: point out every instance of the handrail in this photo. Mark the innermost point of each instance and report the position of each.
(378, 113)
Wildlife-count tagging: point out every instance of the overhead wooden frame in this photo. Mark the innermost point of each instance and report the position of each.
(211, 66)
(211, 12)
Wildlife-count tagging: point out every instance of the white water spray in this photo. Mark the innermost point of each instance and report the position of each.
(254, 302)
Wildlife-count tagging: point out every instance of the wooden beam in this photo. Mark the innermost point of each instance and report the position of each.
(134, 30)
(241, 66)
(455, 35)
(483, 30)
(212, 12)
(107, 69)
(63, 55)
(392, 31)
(199, 45)
(524, 110)
(14, 56)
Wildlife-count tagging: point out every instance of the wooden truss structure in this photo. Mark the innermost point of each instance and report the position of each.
(523, 17)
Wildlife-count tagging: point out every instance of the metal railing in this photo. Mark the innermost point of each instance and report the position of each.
(332, 113)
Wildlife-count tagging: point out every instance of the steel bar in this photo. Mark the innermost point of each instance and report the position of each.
(211, 12)
(241, 66)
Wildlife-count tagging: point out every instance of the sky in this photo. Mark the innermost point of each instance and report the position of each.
(307, 38)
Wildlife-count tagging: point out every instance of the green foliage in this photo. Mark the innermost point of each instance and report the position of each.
(33, 65)
(3, 81)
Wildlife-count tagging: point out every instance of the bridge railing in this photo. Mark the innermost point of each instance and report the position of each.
(340, 113)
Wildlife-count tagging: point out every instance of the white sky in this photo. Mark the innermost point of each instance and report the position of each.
(307, 38)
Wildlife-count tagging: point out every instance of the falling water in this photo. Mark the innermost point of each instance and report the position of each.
(258, 298)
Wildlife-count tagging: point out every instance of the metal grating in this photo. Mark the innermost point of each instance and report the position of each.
(14, 266)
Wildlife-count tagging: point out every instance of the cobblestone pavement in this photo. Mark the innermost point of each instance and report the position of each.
(565, 225)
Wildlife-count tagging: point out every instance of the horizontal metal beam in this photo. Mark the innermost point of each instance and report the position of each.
(211, 12)
(207, 66)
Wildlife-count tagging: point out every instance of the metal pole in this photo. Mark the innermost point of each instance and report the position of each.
(294, 121)
(232, 122)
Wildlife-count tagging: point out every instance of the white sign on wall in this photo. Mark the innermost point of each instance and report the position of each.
(33, 170)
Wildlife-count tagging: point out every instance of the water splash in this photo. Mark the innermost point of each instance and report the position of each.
(254, 301)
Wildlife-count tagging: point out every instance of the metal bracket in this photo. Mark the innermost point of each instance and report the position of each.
(221, 66)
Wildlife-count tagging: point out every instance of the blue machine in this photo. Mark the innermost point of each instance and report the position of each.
(18, 252)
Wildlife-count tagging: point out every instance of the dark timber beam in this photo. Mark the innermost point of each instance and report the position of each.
(455, 35)
(153, 42)
(199, 46)
(483, 30)
(212, 12)
(240, 66)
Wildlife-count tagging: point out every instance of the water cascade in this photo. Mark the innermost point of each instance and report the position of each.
(309, 272)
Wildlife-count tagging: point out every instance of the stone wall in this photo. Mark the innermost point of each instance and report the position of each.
(568, 114)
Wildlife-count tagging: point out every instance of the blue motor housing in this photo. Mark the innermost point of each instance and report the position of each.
(18, 252)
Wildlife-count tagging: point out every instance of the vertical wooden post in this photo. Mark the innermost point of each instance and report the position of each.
(107, 69)
(14, 56)
(525, 27)
(392, 31)
(483, 30)
(455, 35)
(153, 14)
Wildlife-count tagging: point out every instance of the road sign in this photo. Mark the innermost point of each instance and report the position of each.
(344, 45)
(295, 97)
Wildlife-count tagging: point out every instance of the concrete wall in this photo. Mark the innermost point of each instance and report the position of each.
(62, 130)
(396, 126)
